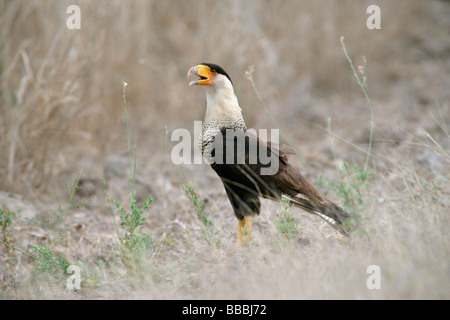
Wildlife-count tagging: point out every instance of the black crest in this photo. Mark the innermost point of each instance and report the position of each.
(217, 69)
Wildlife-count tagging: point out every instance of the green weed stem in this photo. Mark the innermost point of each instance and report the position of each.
(166, 132)
(20, 250)
(110, 207)
(73, 188)
(363, 86)
(132, 169)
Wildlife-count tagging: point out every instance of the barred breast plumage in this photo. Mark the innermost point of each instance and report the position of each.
(212, 127)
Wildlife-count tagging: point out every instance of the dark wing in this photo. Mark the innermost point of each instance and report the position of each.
(250, 168)
(241, 191)
(240, 171)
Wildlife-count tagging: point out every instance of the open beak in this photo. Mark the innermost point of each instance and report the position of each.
(204, 74)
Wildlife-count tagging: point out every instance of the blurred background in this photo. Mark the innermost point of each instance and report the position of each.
(62, 110)
(61, 104)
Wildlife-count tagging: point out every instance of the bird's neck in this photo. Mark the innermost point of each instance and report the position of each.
(222, 111)
(222, 107)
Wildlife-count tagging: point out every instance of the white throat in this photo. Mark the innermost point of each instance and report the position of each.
(221, 102)
(222, 111)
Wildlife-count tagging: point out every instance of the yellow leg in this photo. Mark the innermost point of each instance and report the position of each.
(245, 226)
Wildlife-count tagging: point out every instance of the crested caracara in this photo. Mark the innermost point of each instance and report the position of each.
(223, 131)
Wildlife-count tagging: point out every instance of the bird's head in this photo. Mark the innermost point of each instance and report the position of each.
(210, 75)
(221, 102)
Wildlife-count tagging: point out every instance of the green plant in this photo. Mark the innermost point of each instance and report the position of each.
(353, 180)
(362, 82)
(210, 233)
(58, 216)
(6, 218)
(47, 265)
(62, 211)
(134, 243)
(54, 268)
(286, 224)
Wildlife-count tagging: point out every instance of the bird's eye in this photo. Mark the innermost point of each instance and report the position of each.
(213, 70)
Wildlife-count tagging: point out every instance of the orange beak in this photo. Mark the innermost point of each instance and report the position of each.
(206, 77)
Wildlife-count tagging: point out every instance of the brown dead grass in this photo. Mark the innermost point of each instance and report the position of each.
(61, 109)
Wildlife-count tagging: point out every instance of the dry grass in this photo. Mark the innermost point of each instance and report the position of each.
(61, 109)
